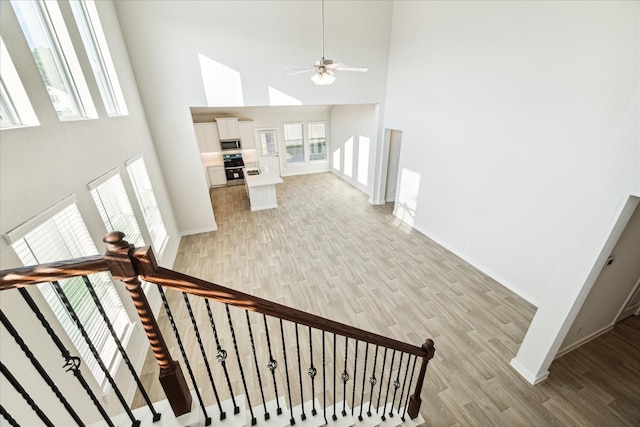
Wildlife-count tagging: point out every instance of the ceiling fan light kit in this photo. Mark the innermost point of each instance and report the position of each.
(324, 69)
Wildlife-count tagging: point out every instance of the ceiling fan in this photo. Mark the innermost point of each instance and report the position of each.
(324, 68)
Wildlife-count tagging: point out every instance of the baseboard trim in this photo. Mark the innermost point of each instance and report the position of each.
(584, 340)
(526, 374)
(214, 227)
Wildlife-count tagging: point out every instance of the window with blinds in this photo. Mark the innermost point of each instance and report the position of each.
(148, 203)
(317, 141)
(294, 143)
(58, 234)
(117, 214)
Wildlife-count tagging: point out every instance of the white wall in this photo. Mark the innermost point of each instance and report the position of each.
(40, 166)
(242, 46)
(354, 142)
(520, 140)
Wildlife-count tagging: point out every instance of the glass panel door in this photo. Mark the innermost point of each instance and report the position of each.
(268, 150)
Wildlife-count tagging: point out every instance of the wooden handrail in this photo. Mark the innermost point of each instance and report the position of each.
(151, 272)
(43, 273)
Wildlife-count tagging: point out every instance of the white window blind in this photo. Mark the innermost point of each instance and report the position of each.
(95, 43)
(317, 141)
(294, 143)
(148, 203)
(59, 234)
(111, 199)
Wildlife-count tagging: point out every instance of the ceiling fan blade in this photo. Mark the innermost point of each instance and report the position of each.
(293, 71)
(343, 67)
(360, 69)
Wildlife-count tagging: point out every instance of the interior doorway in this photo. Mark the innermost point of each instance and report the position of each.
(395, 143)
(614, 295)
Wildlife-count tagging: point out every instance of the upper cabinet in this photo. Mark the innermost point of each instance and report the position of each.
(207, 136)
(246, 135)
(228, 128)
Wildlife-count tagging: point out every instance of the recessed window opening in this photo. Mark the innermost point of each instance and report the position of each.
(50, 44)
(58, 234)
(15, 108)
(148, 203)
(95, 43)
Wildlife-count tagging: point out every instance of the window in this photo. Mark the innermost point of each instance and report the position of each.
(147, 201)
(111, 199)
(15, 108)
(317, 141)
(47, 36)
(57, 234)
(86, 16)
(294, 143)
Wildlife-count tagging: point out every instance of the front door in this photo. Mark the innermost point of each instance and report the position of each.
(268, 150)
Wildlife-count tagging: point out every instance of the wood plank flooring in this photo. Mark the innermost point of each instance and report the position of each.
(327, 251)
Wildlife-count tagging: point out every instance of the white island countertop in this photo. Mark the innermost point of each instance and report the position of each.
(261, 179)
(261, 189)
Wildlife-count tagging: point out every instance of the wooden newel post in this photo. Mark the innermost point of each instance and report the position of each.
(119, 257)
(415, 401)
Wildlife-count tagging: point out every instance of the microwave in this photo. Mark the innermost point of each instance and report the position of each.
(230, 144)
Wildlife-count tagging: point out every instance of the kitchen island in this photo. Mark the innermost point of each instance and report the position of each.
(261, 188)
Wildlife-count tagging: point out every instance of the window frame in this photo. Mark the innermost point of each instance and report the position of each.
(303, 145)
(326, 141)
(63, 58)
(77, 244)
(88, 22)
(14, 101)
(148, 204)
(110, 186)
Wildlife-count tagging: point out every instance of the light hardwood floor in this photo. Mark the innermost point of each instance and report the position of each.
(327, 251)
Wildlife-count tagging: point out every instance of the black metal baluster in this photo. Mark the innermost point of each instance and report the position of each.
(396, 386)
(7, 416)
(384, 360)
(255, 359)
(324, 383)
(345, 377)
(14, 382)
(221, 357)
(194, 323)
(92, 348)
(384, 407)
(406, 402)
(272, 365)
(36, 364)
(404, 382)
(292, 421)
(167, 309)
(372, 380)
(312, 373)
(254, 421)
(364, 379)
(355, 367)
(335, 403)
(72, 363)
(303, 416)
(123, 353)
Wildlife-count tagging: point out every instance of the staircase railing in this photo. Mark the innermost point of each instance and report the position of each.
(260, 360)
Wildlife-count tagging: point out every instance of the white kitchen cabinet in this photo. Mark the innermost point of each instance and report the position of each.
(207, 137)
(246, 135)
(228, 128)
(217, 176)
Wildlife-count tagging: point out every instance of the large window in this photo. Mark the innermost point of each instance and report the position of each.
(294, 143)
(95, 43)
(15, 108)
(147, 201)
(50, 44)
(58, 234)
(317, 141)
(111, 199)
